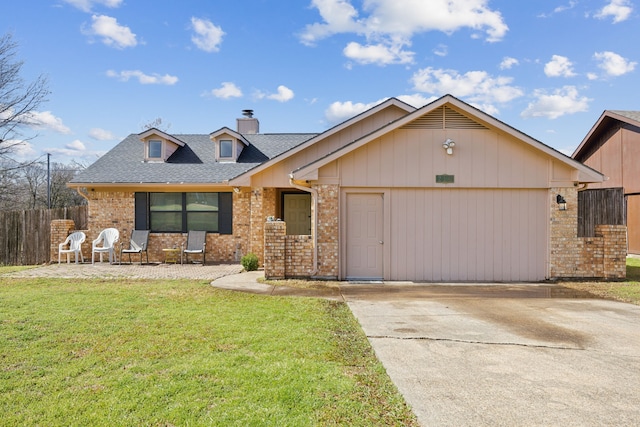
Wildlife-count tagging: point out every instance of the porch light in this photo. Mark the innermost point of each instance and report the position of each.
(562, 203)
(448, 146)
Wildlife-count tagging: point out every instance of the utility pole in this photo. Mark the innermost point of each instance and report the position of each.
(48, 181)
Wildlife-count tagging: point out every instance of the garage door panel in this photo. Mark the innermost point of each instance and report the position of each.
(468, 235)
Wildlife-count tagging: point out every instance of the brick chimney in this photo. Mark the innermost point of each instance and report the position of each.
(248, 124)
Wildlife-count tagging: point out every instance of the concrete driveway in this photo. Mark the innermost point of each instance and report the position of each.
(512, 355)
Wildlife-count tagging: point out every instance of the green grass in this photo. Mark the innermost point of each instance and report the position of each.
(161, 353)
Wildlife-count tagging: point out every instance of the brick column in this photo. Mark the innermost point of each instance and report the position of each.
(274, 249)
(328, 228)
(60, 229)
(615, 250)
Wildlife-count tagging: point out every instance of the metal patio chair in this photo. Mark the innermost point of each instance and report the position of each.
(137, 244)
(196, 244)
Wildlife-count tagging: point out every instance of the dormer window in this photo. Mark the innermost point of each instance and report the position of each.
(228, 145)
(226, 149)
(158, 145)
(155, 149)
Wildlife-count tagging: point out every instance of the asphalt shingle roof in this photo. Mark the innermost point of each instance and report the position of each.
(194, 163)
(633, 115)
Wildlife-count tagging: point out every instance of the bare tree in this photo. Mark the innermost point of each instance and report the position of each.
(61, 195)
(18, 100)
(34, 177)
(28, 186)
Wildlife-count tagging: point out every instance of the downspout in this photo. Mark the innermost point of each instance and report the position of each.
(84, 196)
(314, 232)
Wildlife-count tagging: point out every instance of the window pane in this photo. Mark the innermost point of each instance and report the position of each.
(226, 148)
(202, 202)
(166, 221)
(204, 221)
(165, 202)
(155, 149)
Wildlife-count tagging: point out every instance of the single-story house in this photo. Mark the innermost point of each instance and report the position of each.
(613, 147)
(445, 192)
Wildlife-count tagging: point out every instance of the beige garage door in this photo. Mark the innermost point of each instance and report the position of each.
(468, 235)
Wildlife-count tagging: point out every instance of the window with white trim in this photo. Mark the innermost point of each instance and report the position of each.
(226, 149)
(155, 149)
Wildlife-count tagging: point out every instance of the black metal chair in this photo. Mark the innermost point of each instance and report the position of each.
(137, 244)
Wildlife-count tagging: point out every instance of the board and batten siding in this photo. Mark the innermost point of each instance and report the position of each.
(413, 158)
(468, 234)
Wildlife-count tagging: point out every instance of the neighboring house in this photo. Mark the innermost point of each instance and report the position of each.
(612, 146)
(441, 193)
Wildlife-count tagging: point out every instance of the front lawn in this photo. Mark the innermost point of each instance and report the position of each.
(161, 353)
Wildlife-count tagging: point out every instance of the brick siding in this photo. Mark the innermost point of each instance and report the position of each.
(602, 256)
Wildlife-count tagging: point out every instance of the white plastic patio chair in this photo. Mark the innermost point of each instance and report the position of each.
(73, 243)
(108, 238)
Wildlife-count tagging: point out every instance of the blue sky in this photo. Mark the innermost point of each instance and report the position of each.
(548, 68)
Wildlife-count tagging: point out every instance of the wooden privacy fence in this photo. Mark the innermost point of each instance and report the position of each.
(25, 235)
(604, 206)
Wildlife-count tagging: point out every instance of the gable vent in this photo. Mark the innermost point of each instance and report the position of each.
(443, 118)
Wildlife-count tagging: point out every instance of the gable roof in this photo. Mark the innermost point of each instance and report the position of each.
(124, 163)
(586, 173)
(597, 134)
(161, 134)
(337, 128)
(226, 131)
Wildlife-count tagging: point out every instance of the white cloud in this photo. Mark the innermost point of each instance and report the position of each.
(508, 63)
(618, 9)
(416, 100)
(76, 145)
(441, 50)
(559, 9)
(392, 24)
(565, 100)
(45, 120)
(478, 87)
(145, 79)
(559, 66)
(101, 134)
(75, 148)
(284, 94)
(614, 64)
(227, 91)
(19, 148)
(111, 33)
(208, 36)
(87, 5)
(341, 111)
(377, 54)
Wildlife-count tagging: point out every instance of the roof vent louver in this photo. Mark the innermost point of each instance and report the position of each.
(444, 118)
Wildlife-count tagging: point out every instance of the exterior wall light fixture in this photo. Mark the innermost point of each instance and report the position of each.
(448, 146)
(562, 203)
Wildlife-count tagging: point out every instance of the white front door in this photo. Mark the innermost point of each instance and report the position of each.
(365, 227)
